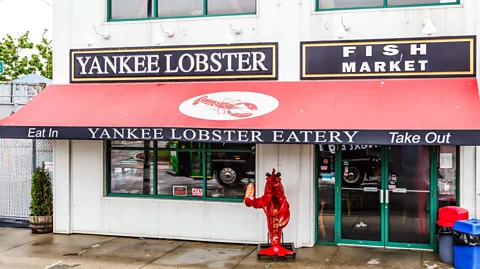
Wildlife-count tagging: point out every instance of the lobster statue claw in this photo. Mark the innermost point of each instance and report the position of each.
(277, 209)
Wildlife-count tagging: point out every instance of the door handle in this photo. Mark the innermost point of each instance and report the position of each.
(387, 196)
(381, 196)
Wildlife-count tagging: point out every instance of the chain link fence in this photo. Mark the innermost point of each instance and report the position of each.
(18, 158)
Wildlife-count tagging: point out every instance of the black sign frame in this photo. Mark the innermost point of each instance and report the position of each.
(257, 136)
(395, 41)
(247, 47)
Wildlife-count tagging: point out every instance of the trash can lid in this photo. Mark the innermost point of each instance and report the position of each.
(452, 214)
(471, 226)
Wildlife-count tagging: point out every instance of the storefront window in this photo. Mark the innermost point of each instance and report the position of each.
(170, 8)
(447, 176)
(184, 169)
(326, 192)
(232, 172)
(230, 6)
(333, 4)
(131, 172)
(130, 9)
(143, 9)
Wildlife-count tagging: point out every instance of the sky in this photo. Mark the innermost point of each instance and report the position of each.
(19, 16)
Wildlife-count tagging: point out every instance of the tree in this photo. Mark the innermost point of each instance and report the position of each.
(44, 59)
(15, 65)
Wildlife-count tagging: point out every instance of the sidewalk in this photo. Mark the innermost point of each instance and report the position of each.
(20, 249)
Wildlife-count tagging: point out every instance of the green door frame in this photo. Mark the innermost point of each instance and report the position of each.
(384, 208)
(433, 204)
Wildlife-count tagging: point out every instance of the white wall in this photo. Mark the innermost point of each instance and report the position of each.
(469, 177)
(295, 163)
(92, 213)
(61, 187)
(285, 21)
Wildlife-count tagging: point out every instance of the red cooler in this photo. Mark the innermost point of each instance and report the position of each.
(446, 219)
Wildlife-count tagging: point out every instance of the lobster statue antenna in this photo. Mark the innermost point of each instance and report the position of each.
(277, 210)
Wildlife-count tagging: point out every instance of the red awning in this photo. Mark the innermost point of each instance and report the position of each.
(422, 105)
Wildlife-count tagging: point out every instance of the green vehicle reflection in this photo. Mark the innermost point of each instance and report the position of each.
(226, 165)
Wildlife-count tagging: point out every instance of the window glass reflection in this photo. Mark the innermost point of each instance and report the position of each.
(327, 4)
(179, 173)
(417, 2)
(326, 192)
(229, 173)
(230, 6)
(361, 176)
(131, 144)
(130, 9)
(447, 176)
(175, 8)
(182, 168)
(229, 146)
(409, 194)
(131, 172)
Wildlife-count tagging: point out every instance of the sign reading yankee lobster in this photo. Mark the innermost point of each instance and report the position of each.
(389, 58)
(212, 62)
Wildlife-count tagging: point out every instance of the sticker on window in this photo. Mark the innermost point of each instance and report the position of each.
(197, 192)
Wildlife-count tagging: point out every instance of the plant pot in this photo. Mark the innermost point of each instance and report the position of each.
(41, 224)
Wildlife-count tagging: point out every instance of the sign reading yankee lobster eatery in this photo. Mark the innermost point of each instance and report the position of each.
(182, 63)
(356, 137)
(389, 58)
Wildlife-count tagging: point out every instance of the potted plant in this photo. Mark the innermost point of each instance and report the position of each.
(41, 207)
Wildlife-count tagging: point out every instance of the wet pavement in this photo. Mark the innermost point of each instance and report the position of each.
(20, 249)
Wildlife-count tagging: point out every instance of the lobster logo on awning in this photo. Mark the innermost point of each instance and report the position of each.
(229, 105)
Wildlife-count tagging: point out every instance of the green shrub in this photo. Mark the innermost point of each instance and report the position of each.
(42, 196)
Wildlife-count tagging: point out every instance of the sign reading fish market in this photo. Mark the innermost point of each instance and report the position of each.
(389, 58)
(184, 63)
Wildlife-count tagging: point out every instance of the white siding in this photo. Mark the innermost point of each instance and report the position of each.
(197, 220)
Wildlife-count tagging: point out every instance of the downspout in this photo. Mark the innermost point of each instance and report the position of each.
(477, 32)
(475, 184)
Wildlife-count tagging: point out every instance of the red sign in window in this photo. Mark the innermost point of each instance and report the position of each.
(180, 190)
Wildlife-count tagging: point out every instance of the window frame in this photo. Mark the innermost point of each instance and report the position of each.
(155, 149)
(384, 6)
(156, 17)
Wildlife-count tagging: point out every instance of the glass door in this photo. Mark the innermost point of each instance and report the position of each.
(384, 196)
(408, 197)
(361, 196)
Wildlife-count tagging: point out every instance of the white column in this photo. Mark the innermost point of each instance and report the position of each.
(288, 34)
(477, 184)
(468, 178)
(477, 30)
(307, 192)
(61, 187)
(62, 36)
(289, 164)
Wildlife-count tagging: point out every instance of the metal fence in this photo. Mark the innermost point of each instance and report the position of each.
(19, 157)
(18, 93)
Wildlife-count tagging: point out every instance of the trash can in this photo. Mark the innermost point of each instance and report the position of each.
(466, 244)
(446, 219)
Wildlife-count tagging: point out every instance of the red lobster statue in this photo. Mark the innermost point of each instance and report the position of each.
(276, 208)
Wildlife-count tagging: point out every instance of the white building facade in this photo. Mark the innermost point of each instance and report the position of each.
(92, 195)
